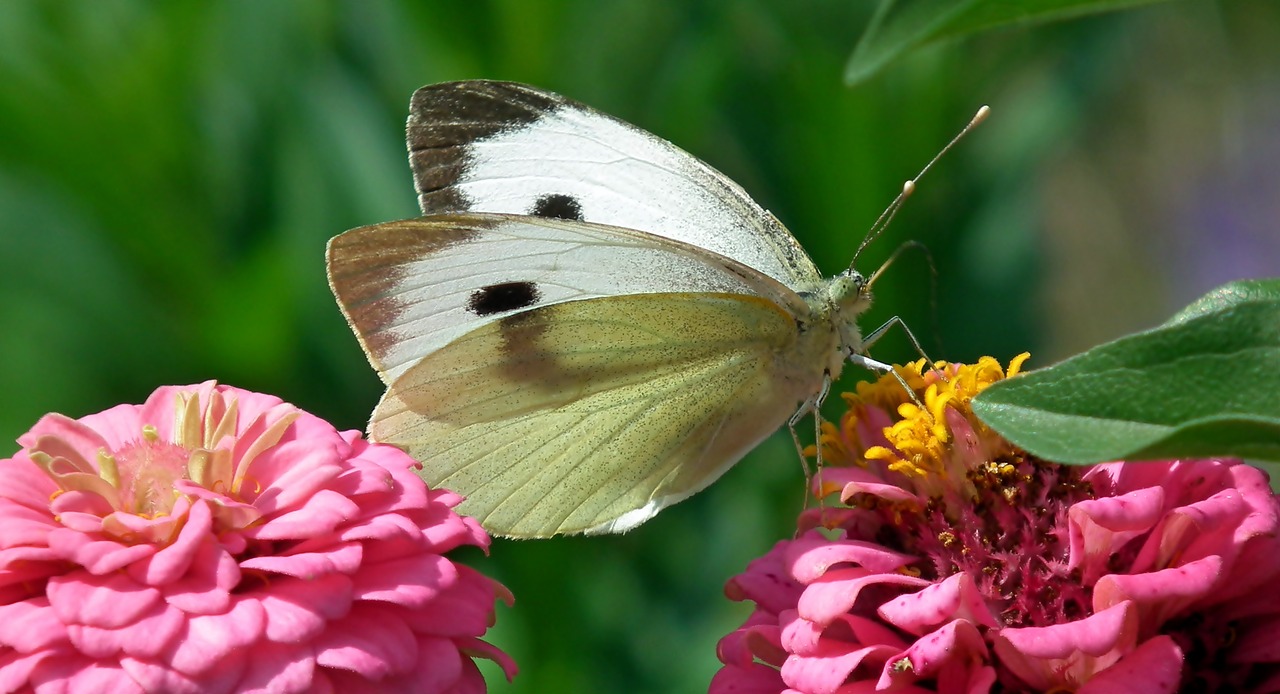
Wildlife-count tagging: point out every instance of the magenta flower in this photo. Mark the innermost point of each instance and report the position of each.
(955, 563)
(218, 540)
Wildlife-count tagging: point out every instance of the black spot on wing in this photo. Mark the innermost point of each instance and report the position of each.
(445, 120)
(508, 296)
(557, 206)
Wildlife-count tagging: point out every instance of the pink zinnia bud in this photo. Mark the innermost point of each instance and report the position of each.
(218, 540)
(953, 562)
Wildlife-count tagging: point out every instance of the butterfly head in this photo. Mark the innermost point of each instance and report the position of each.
(848, 294)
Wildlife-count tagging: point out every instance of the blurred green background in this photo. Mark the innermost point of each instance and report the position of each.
(170, 172)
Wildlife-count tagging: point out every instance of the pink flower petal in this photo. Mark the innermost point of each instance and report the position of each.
(30, 626)
(300, 609)
(837, 591)
(370, 641)
(207, 587)
(279, 669)
(72, 675)
(766, 581)
(173, 561)
(752, 678)
(321, 513)
(954, 598)
(464, 609)
(249, 547)
(16, 668)
(410, 581)
(96, 556)
(343, 558)
(811, 556)
(211, 639)
(148, 636)
(759, 638)
(58, 435)
(109, 601)
(25, 486)
(1100, 527)
(1155, 667)
(159, 676)
(1160, 595)
(1067, 655)
(831, 665)
(1189, 532)
(958, 643)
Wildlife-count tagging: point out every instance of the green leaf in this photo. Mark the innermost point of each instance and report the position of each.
(901, 25)
(1207, 383)
(1228, 295)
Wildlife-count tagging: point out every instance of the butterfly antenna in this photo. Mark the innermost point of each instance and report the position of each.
(882, 222)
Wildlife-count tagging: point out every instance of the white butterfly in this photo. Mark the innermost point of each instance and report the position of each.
(590, 324)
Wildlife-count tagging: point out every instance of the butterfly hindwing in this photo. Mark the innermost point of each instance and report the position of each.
(482, 146)
(574, 417)
(412, 286)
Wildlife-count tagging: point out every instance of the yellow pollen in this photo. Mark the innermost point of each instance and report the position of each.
(920, 442)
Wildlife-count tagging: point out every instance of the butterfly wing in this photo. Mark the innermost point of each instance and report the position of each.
(593, 415)
(482, 146)
(410, 287)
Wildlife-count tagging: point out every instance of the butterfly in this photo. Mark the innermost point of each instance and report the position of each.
(589, 324)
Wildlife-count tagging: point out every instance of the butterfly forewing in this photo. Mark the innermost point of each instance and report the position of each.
(504, 147)
(412, 286)
(575, 417)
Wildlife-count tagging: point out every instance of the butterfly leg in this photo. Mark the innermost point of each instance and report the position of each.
(866, 362)
(879, 332)
(814, 405)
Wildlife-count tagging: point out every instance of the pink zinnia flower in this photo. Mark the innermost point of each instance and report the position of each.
(957, 563)
(218, 540)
